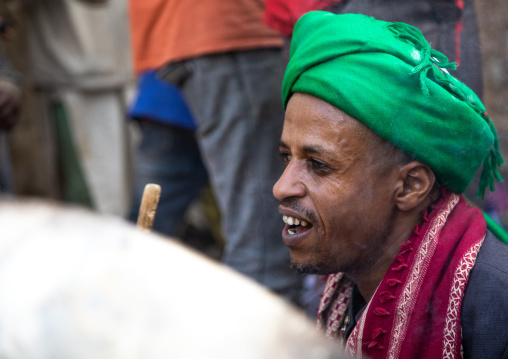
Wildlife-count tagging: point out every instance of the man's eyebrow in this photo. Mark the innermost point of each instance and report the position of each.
(315, 149)
(311, 149)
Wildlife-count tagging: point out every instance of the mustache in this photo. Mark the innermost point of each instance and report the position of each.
(295, 205)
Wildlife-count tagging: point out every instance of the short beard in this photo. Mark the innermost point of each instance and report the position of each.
(312, 268)
(306, 268)
(317, 267)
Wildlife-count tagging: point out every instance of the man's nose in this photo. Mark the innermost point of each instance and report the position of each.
(289, 184)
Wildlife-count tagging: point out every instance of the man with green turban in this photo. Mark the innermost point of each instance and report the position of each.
(379, 142)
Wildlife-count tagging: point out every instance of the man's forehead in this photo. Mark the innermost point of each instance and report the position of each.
(315, 126)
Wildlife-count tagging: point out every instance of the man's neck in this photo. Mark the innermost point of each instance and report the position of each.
(369, 278)
(368, 281)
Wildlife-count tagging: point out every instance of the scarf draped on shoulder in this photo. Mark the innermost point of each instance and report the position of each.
(416, 310)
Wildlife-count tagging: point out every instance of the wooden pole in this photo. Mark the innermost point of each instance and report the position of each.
(148, 207)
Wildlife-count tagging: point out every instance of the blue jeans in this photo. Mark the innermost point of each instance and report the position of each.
(169, 156)
(235, 98)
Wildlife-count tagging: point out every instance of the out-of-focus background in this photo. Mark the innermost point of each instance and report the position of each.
(493, 25)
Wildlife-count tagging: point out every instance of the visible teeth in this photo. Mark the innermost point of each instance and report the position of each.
(292, 231)
(294, 221)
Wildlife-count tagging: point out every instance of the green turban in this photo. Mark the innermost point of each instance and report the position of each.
(386, 76)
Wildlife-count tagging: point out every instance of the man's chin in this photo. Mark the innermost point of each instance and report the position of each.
(311, 268)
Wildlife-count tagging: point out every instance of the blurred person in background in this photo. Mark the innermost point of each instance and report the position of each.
(9, 86)
(228, 65)
(78, 70)
(9, 107)
(168, 153)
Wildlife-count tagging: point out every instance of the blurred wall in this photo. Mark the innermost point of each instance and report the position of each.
(493, 24)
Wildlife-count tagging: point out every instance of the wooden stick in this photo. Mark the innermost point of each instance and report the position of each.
(148, 207)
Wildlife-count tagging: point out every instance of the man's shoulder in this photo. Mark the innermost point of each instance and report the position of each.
(485, 304)
(492, 257)
(489, 275)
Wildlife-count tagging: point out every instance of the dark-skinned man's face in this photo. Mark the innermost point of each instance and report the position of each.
(335, 187)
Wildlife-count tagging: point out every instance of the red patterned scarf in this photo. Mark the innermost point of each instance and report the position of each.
(416, 310)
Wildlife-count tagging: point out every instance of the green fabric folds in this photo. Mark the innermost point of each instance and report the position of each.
(386, 76)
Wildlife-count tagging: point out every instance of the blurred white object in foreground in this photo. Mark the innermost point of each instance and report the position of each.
(75, 285)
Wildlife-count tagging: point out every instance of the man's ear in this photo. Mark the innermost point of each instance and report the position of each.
(415, 184)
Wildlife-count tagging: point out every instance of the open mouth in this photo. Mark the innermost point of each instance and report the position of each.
(295, 226)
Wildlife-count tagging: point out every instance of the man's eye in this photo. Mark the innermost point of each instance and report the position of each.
(286, 157)
(318, 166)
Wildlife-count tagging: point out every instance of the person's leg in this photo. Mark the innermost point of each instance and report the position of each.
(169, 156)
(235, 98)
(98, 126)
(33, 145)
(75, 187)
